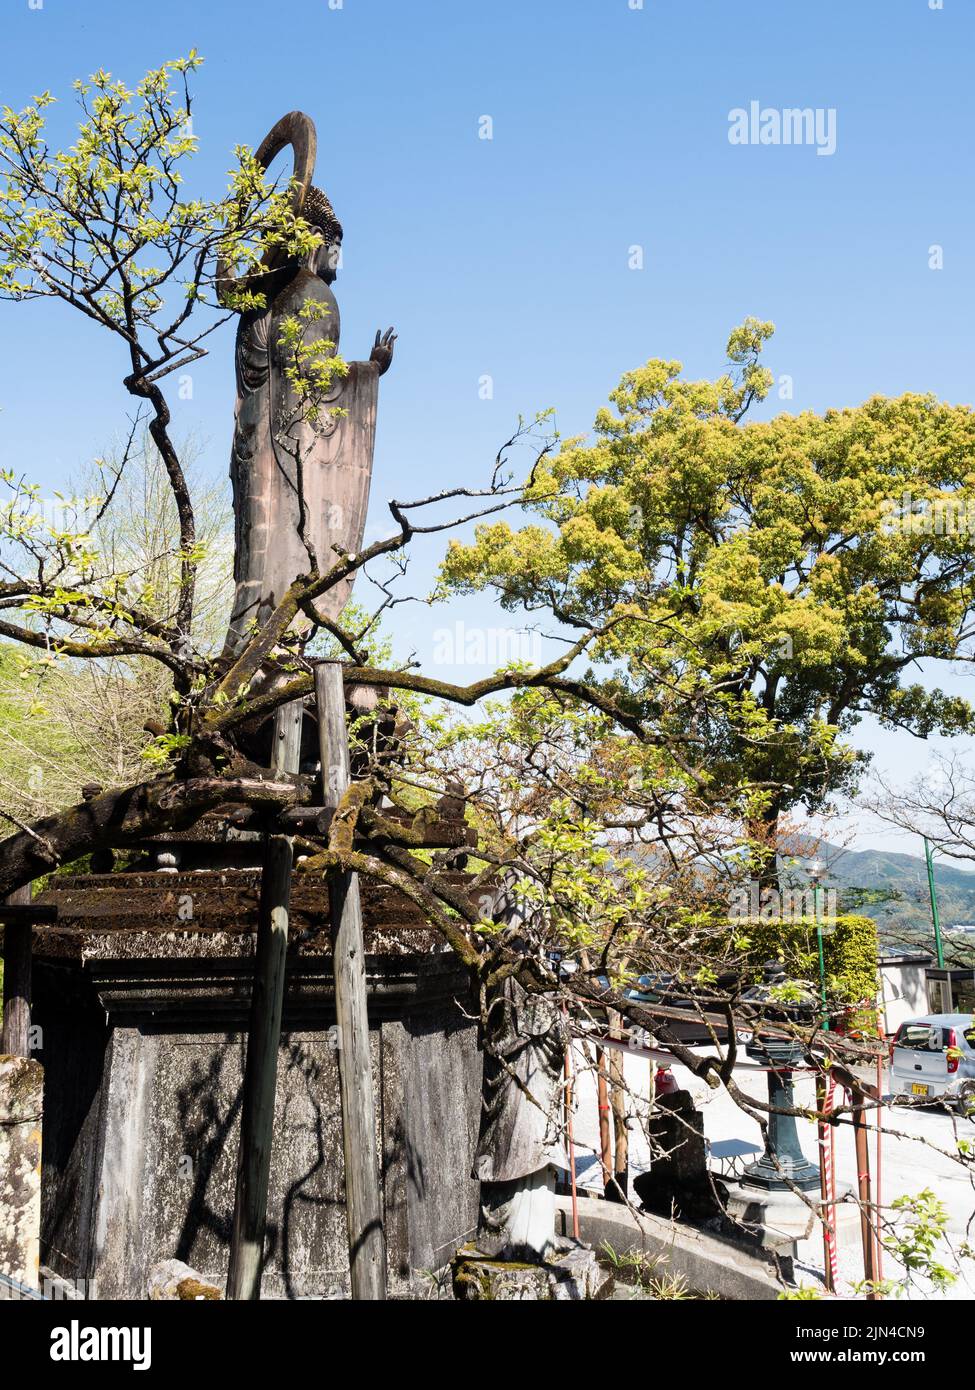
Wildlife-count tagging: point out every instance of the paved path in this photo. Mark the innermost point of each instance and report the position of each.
(909, 1164)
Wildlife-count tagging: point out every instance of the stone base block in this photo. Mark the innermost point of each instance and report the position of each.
(575, 1275)
(173, 1281)
(776, 1220)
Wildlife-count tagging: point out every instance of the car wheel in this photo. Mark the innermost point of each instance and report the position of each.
(965, 1102)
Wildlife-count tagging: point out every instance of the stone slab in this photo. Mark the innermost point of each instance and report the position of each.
(708, 1263)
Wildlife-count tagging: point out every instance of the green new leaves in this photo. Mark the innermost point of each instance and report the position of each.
(76, 223)
(256, 223)
(312, 365)
(106, 224)
(768, 583)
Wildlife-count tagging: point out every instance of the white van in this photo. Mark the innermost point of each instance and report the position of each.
(933, 1058)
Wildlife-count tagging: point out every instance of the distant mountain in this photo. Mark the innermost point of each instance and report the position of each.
(892, 888)
(882, 867)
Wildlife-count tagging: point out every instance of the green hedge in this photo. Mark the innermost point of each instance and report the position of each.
(849, 952)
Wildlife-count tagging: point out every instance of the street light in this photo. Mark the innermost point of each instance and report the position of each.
(817, 871)
(935, 916)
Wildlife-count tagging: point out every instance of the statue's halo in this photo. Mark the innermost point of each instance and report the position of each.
(297, 130)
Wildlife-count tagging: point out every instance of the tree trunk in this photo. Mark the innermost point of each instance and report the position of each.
(763, 832)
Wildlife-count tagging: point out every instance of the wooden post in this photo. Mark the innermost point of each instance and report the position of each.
(567, 1103)
(827, 1209)
(878, 1194)
(363, 1199)
(863, 1188)
(617, 1189)
(602, 1104)
(17, 951)
(264, 1036)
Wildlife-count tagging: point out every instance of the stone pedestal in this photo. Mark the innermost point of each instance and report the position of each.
(21, 1086)
(763, 1199)
(142, 993)
(776, 1220)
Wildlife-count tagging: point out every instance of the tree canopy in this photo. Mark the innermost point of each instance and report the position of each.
(761, 585)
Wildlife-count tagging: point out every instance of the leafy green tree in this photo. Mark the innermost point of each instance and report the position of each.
(106, 228)
(732, 585)
(761, 586)
(68, 723)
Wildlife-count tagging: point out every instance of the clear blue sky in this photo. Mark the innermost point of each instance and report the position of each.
(509, 257)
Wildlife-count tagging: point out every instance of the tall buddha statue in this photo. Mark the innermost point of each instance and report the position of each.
(301, 464)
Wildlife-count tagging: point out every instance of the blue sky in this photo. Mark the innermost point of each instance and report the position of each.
(509, 257)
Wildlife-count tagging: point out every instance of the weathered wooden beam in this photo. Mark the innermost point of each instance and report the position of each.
(125, 816)
(404, 828)
(18, 935)
(314, 820)
(18, 911)
(264, 1037)
(363, 1197)
(867, 1233)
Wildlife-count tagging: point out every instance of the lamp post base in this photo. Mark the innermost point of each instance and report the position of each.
(783, 1165)
(769, 1177)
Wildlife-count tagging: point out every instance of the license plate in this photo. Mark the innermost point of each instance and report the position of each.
(918, 1090)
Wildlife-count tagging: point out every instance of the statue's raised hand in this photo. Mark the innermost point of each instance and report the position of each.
(382, 349)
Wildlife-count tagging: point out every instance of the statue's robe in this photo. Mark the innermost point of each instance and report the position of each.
(519, 1135)
(274, 442)
(520, 1146)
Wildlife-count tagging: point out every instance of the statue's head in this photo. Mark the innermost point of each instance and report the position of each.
(317, 210)
(297, 131)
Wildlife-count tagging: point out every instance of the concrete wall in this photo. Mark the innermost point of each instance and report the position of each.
(903, 990)
(21, 1087)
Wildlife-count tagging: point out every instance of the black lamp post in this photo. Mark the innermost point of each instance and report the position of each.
(783, 1164)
